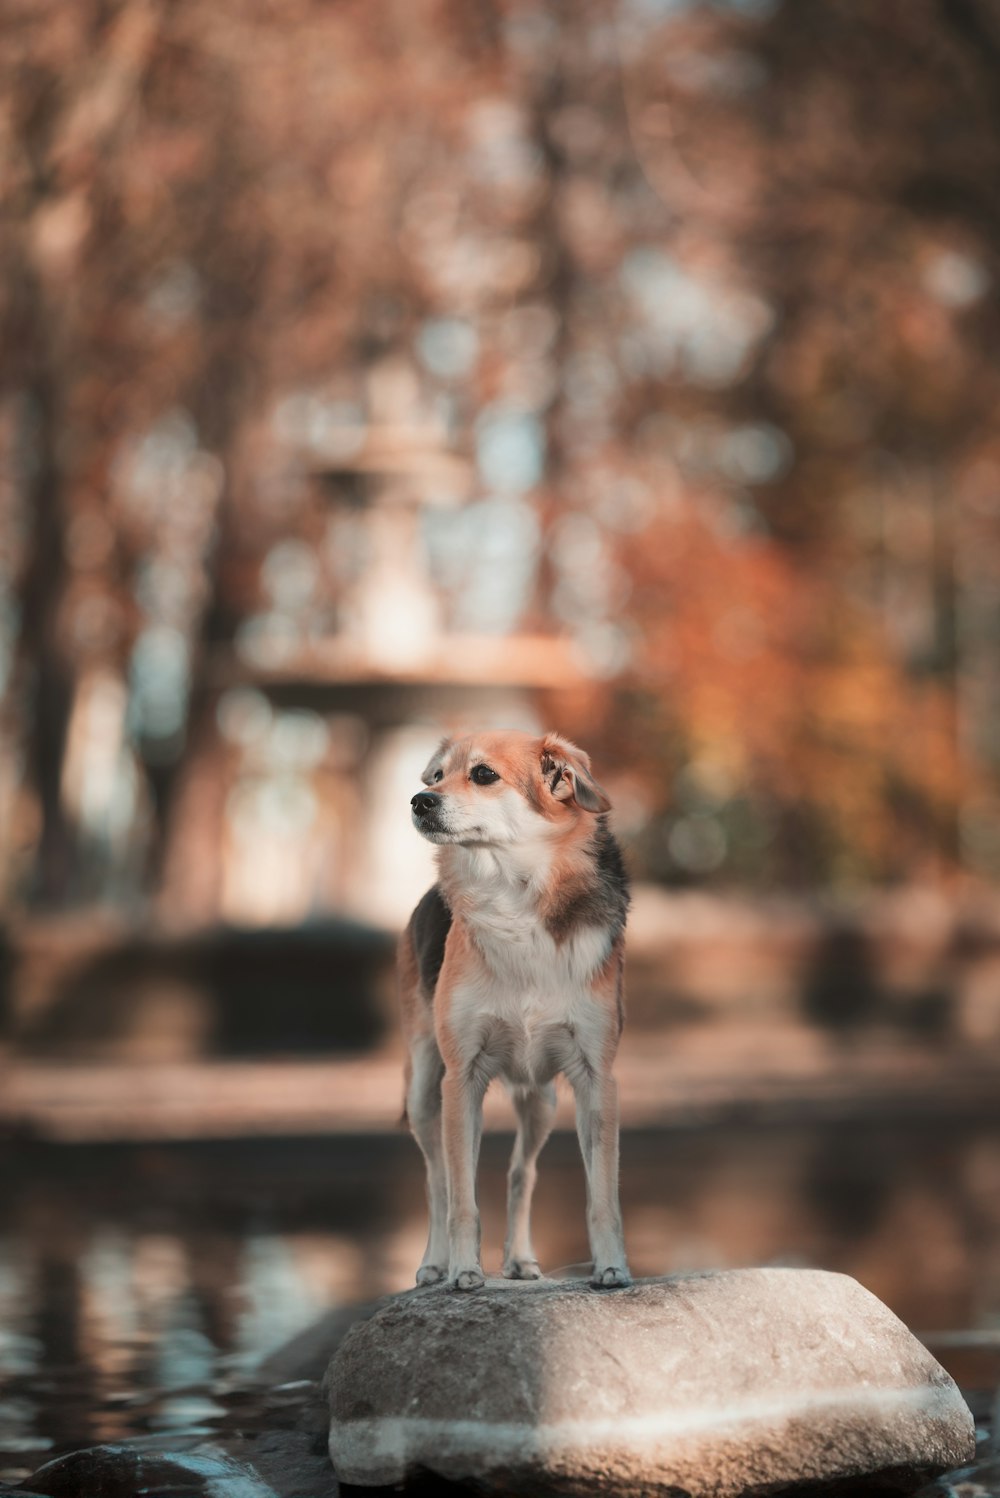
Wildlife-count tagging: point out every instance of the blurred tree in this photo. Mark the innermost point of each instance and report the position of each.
(64, 112)
(817, 387)
(129, 276)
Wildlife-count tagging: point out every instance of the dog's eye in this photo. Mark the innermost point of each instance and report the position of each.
(483, 775)
(438, 775)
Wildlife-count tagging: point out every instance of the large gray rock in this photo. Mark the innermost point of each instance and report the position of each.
(741, 1382)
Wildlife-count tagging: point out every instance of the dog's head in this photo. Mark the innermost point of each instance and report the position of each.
(503, 788)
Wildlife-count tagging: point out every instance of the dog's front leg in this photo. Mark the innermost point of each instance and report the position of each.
(462, 1118)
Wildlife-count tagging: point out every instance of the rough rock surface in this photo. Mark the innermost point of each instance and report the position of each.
(744, 1382)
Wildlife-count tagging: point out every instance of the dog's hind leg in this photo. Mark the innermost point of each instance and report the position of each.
(597, 1128)
(423, 1108)
(535, 1114)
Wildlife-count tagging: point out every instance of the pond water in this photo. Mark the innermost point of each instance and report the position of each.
(139, 1285)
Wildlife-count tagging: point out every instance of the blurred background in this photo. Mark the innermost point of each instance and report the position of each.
(368, 371)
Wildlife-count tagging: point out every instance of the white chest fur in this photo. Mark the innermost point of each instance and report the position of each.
(526, 1008)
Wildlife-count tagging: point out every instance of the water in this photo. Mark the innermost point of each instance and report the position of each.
(140, 1286)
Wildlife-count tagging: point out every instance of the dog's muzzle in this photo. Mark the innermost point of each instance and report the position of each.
(425, 806)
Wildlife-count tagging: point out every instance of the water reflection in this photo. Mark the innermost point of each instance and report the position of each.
(139, 1285)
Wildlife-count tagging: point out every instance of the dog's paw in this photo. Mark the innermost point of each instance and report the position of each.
(467, 1279)
(613, 1278)
(522, 1269)
(431, 1274)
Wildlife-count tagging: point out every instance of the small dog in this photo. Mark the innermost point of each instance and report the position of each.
(511, 967)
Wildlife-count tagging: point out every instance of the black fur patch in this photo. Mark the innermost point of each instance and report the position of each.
(604, 899)
(431, 922)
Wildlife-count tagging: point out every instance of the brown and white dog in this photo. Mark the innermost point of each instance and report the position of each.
(511, 967)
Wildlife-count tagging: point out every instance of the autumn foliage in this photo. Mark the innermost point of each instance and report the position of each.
(664, 330)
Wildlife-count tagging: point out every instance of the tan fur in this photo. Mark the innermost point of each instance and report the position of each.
(530, 985)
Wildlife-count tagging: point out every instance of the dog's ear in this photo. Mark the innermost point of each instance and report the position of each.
(436, 762)
(566, 772)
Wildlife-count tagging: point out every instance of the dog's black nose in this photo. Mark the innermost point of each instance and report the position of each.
(424, 802)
